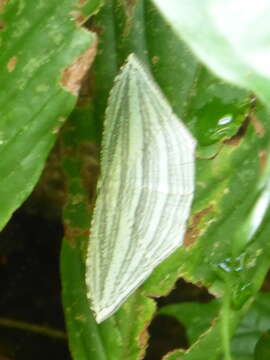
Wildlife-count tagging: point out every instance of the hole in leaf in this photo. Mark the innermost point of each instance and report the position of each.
(184, 291)
(166, 334)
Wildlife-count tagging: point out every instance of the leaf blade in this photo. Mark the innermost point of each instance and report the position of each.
(34, 104)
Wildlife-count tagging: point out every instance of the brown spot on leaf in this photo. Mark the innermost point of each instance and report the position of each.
(72, 233)
(79, 17)
(81, 2)
(2, 5)
(257, 125)
(73, 75)
(12, 62)
(129, 9)
(129, 6)
(155, 60)
(193, 230)
(144, 336)
(2, 25)
(262, 159)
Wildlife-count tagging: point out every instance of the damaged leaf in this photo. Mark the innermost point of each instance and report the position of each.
(32, 61)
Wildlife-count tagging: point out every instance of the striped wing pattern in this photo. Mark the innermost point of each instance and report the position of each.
(144, 192)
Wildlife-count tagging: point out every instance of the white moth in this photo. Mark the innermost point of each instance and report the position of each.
(144, 192)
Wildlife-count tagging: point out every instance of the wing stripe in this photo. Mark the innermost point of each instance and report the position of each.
(144, 192)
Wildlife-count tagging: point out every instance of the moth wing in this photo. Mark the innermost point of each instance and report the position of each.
(145, 190)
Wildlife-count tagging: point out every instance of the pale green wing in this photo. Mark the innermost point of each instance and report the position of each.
(144, 193)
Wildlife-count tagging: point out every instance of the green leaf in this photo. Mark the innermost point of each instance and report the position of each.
(232, 131)
(196, 317)
(231, 48)
(39, 41)
(251, 337)
(262, 350)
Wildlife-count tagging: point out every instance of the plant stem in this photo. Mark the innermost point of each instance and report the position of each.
(42, 330)
(225, 325)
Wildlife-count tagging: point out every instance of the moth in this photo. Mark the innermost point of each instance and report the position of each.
(144, 192)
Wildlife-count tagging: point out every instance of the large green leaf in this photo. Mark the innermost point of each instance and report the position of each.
(231, 37)
(232, 132)
(39, 40)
